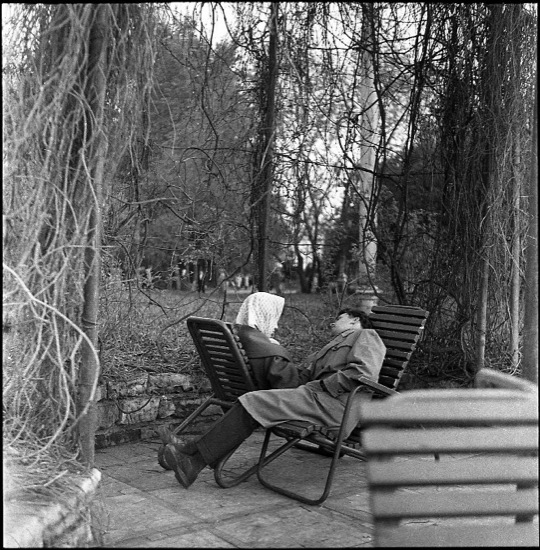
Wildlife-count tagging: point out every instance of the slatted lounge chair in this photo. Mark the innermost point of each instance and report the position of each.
(400, 328)
(484, 489)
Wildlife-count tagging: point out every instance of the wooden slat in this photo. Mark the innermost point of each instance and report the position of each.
(398, 312)
(221, 358)
(500, 536)
(388, 370)
(397, 345)
(224, 359)
(388, 381)
(399, 354)
(233, 381)
(395, 505)
(475, 471)
(396, 332)
(395, 363)
(470, 406)
(450, 440)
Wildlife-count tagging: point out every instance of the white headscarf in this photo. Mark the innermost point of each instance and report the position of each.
(262, 311)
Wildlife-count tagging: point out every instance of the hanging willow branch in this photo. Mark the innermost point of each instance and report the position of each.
(74, 76)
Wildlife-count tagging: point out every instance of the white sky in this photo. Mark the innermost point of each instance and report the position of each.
(204, 14)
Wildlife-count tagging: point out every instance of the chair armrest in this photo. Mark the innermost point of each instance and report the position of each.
(375, 386)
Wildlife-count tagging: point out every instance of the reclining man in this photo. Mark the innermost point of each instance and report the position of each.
(356, 350)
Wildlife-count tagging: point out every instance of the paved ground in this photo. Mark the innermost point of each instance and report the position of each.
(144, 505)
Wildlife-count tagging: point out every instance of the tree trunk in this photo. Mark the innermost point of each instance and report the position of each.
(368, 138)
(517, 188)
(482, 315)
(530, 321)
(264, 169)
(97, 148)
(515, 253)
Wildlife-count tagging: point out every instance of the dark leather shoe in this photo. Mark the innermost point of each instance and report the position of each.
(167, 436)
(186, 467)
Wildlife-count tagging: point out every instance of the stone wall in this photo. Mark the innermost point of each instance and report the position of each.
(132, 409)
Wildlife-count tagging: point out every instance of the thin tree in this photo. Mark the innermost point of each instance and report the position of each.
(530, 329)
(96, 86)
(264, 155)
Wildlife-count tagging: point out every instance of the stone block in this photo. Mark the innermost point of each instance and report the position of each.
(205, 386)
(166, 407)
(101, 392)
(185, 406)
(130, 387)
(107, 414)
(169, 382)
(138, 409)
(111, 438)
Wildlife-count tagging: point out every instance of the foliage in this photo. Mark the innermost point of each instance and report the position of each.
(191, 203)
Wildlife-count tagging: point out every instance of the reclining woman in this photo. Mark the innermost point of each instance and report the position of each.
(256, 322)
(320, 397)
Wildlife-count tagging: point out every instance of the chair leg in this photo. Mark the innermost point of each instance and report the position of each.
(264, 460)
(232, 482)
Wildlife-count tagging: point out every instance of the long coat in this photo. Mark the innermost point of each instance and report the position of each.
(339, 364)
(270, 363)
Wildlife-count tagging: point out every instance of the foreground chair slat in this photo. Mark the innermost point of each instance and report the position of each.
(502, 536)
(484, 489)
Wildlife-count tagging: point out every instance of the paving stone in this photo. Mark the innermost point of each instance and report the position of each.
(284, 528)
(208, 502)
(355, 506)
(199, 539)
(109, 487)
(130, 515)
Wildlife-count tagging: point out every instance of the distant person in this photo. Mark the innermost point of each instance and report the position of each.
(222, 281)
(276, 278)
(201, 281)
(356, 350)
(342, 282)
(238, 282)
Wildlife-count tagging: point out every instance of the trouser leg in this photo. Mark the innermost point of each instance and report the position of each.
(234, 427)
